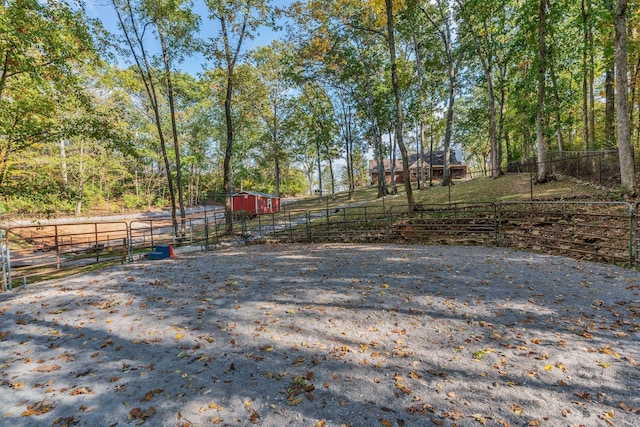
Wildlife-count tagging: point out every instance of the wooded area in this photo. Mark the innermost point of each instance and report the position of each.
(93, 118)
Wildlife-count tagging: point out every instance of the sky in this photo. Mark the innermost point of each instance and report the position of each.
(103, 10)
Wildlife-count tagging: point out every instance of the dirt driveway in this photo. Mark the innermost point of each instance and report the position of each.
(326, 335)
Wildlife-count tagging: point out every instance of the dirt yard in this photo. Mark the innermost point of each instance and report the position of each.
(327, 335)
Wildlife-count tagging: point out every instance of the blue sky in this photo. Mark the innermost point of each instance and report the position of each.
(103, 10)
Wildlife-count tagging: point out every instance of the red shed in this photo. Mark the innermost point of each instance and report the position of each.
(255, 203)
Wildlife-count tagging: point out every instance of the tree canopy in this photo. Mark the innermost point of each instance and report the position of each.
(293, 97)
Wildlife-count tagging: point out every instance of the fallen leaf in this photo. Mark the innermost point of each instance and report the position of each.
(38, 409)
(140, 414)
(607, 350)
(254, 417)
(584, 395)
(148, 396)
(81, 390)
(626, 407)
(215, 406)
(17, 385)
(479, 418)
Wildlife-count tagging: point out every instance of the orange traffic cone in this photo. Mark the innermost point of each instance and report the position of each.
(171, 255)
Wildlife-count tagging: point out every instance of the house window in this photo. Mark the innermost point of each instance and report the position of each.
(268, 203)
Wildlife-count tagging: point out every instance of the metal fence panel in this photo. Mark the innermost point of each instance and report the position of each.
(602, 232)
(40, 251)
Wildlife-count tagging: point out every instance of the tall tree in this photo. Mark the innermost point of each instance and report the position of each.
(134, 20)
(175, 26)
(542, 70)
(625, 148)
(273, 108)
(238, 19)
(41, 48)
(609, 85)
(443, 24)
(481, 28)
(399, 137)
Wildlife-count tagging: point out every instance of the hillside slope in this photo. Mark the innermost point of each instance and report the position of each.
(510, 187)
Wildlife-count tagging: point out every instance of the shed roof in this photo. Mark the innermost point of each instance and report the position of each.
(255, 193)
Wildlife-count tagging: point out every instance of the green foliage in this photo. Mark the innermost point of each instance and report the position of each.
(131, 201)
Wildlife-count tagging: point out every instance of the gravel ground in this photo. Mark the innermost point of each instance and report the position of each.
(326, 335)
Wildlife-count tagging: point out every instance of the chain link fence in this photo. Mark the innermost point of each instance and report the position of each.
(598, 167)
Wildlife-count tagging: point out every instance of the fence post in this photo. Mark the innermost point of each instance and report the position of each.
(4, 261)
(496, 220)
(636, 234)
(95, 246)
(243, 222)
(631, 235)
(206, 231)
(57, 244)
(273, 225)
(600, 169)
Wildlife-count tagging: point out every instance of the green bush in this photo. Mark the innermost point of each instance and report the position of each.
(131, 201)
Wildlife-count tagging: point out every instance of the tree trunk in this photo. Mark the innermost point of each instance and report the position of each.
(377, 139)
(625, 149)
(392, 160)
(446, 177)
(592, 100)
(421, 110)
(634, 123)
(80, 180)
(174, 130)
(542, 63)
(319, 167)
(349, 153)
(398, 95)
(227, 179)
(276, 152)
(63, 164)
(501, 133)
(557, 109)
(331, 175)
(609, 83)
(585, 79)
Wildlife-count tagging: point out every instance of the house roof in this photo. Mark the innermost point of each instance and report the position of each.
(387, 164)
(438, 160)
(255, 193)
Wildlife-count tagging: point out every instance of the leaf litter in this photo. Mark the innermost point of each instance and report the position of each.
(327, 335)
